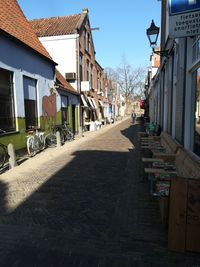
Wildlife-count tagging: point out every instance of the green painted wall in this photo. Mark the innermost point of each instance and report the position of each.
(76, 118)
(18, 138)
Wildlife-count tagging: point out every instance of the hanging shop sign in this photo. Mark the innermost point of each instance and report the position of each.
(85, 86)
(184, 18)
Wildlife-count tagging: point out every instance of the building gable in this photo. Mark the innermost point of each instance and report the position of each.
(67, 25)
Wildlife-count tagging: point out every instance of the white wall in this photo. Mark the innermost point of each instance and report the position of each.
(63, 51)
(21, 62)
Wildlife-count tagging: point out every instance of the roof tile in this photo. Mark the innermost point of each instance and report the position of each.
(14, 23)
(61, 80)
(56, 25)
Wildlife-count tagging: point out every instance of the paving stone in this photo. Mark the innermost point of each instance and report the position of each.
(84, 204)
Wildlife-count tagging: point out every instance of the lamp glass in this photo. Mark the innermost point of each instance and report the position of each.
(152, 34)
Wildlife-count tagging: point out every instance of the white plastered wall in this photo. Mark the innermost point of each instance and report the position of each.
(63, 50)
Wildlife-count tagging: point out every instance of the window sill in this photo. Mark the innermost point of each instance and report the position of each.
(9, 133)
(32, 129)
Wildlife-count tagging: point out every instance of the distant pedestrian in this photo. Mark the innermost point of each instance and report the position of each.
(133, 116)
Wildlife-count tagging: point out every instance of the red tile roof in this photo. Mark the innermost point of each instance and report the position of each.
(63, 83)
(14, 23)
(56, 25)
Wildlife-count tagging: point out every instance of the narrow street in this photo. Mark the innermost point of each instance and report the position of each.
(85, 204)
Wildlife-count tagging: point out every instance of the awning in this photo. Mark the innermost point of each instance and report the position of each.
(94, 102)
(84, 101)
(91, 102)
(101, 103)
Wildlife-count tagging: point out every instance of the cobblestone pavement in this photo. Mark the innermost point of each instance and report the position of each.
(84, 204)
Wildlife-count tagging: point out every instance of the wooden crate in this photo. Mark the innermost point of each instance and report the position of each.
(184, 215)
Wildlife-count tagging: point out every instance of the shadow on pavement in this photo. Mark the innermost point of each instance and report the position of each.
(93, 212)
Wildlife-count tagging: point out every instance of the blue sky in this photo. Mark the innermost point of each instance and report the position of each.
(122, 25)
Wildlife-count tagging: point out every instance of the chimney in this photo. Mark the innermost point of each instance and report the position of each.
(85, 10)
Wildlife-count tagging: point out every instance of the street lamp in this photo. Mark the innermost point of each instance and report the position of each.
(152, 34)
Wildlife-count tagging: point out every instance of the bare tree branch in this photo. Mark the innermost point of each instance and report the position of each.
(130, 80)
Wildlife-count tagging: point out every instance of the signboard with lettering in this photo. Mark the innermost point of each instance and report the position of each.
(184, 18)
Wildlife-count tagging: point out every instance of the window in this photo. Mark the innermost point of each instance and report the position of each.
(97, 81)
(88, 70)
(81, 67)
(196, 48)
(88, 42)
(197, 114)
(91, 75)
(64, 109)
(100, 83)
(30, 102)
(84, 37)
(7, 115)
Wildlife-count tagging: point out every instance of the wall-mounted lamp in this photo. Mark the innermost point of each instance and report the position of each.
(152, 34)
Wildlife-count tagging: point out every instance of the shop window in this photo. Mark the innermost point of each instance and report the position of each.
(197, 114)
(64, 109)
(30, 102)
(7, 115)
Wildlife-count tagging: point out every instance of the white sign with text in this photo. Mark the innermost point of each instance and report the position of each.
(184, 18)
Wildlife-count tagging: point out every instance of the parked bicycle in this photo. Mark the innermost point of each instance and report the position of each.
(66, 134)
(35, 141)
(51, 139)
(3, 152)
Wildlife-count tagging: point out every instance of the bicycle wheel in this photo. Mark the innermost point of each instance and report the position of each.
(69, 136)
(62, 137)
(31, 146)
(2, 155)
(50, 140)
(41, 141)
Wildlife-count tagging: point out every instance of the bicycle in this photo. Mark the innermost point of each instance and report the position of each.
(67, 132)
(3, 152)
(51, 139)
(35, 142)
(65, 135)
